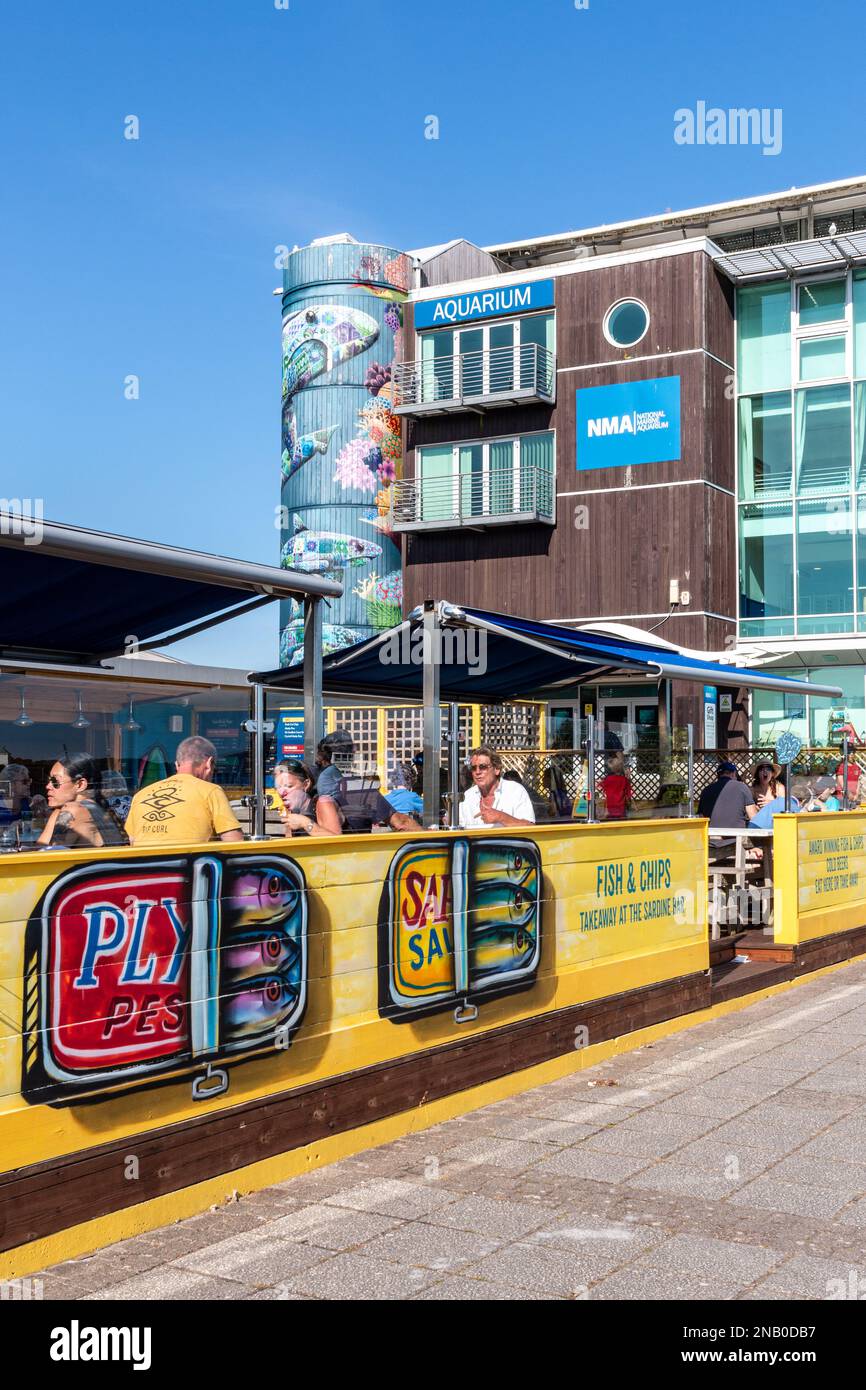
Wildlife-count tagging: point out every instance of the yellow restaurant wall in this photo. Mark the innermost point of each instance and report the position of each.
(342, 1030)
(819, 870)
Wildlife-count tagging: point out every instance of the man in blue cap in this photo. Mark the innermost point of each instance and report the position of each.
(729, 804)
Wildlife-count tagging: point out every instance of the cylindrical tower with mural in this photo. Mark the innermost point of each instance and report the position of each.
(341, 445)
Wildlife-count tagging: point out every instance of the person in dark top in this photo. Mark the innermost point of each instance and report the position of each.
(729, 805)
(80, 816)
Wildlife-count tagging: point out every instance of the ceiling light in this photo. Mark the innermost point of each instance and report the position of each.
(23, 721)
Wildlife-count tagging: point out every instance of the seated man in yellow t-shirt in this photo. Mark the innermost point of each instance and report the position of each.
(185, 809)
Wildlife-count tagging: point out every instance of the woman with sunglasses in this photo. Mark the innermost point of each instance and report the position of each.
(302, 809)
(80, 817)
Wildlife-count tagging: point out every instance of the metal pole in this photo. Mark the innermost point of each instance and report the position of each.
(259, 762)
(432, 716)
(454, 765)
(844, 772)
(787, 786)
(590, 767)
(690, 734)
(313, 721)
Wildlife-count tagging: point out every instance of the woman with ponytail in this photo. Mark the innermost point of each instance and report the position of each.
(80, 818)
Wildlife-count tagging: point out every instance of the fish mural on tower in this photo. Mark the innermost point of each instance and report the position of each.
(325, 552)
(317, 339)
(334, 638)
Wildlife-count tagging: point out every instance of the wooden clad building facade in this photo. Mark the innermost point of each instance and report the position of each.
(620, 534)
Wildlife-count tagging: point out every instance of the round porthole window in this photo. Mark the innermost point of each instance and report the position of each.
(626, 322)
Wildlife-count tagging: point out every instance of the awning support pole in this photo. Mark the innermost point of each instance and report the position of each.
(313, 720)
(453, 765)
(590, 768)
(432, 715)
(690, 733)
(259, 762)
(844, 773)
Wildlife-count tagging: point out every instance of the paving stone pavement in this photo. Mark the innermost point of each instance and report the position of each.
(725, 1162)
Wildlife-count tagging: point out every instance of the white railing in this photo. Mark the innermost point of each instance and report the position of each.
(526, 371)
(513, 493)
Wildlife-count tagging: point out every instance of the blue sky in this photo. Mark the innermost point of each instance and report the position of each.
(262, 126)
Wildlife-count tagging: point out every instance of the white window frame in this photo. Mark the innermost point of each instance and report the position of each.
(605, 325)
(485, 325)
(456, 476)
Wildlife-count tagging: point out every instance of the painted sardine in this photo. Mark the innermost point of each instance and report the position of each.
(500, 948)
(261, 1004)
(260, 894)
(317, 339)
(251, 954)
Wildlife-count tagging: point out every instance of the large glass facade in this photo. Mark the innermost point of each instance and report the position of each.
(816, 720)
(801, 356)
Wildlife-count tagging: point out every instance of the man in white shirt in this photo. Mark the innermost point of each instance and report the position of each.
(490, 800)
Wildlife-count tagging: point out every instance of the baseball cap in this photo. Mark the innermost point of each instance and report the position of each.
(726, 767)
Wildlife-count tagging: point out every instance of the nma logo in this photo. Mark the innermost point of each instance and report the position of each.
(636, 422)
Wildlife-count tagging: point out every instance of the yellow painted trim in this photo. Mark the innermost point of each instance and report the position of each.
(381, 746)
(190, 1201)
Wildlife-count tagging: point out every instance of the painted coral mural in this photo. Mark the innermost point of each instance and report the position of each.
(341, 442)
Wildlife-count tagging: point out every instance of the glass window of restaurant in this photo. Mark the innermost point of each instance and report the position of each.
(817, 721)
(801, 442)
(130, 729)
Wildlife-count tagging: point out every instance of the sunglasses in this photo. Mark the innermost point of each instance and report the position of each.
(56, 783)
(479, 767)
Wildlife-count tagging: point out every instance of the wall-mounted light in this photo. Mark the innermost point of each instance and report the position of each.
(23, 721)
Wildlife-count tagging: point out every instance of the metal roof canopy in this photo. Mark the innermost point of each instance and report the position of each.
(79, 594)
(794, 258)
(519, 657)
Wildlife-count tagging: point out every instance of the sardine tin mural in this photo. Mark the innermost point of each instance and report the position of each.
(341, 443)
(460, 921)
(138, 969)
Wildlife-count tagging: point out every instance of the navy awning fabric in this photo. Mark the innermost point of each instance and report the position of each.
(515, 658)
(75, 595)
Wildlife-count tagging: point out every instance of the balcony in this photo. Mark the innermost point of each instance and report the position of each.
(474, 501)
(476, 380)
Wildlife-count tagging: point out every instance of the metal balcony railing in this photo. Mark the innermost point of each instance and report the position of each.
(495, 496)
(500, 376)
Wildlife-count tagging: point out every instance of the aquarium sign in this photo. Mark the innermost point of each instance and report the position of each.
(632, 422)
(484, 304)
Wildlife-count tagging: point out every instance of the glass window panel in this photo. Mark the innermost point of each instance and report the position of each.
(860, 433)
(473, 500)
(765, 445)
(436, 499)
(537, 473)
(822, 431)
(437, 366)
(767, 627)
(537, 368)
(502, 474)
(811, 626)
(858, 295)
(830, 718)
(471, 349)
(821, 358)
(501, 361)
(766, 561)
(764, 337)
(825, 561)
(821, 302)
(776, 712)
(861, 562)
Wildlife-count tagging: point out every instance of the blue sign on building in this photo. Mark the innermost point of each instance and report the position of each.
(634, 422)
(484, 304)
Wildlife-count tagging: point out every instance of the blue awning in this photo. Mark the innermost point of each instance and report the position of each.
(491, 657)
